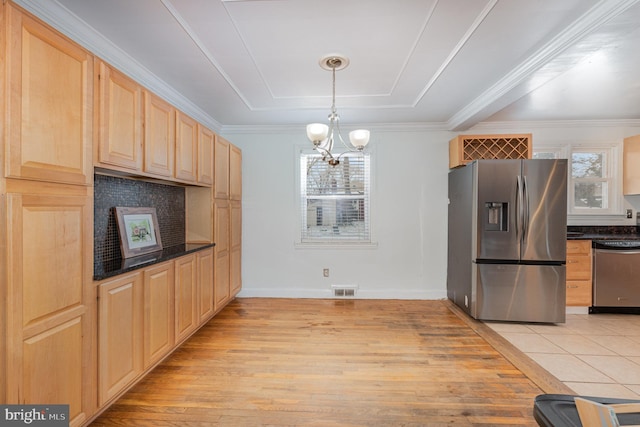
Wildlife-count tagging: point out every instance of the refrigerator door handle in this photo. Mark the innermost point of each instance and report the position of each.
(519, 207)
(525, 210)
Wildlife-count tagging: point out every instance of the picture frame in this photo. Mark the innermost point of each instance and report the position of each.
(138, 230)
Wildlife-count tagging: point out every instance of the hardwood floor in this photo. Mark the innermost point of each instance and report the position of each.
(307, 362)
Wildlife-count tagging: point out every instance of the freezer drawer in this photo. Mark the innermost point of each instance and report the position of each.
(522, 293)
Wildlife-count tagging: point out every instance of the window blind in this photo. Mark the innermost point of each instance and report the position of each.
(335, 199)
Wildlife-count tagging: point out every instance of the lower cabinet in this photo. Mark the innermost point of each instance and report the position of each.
(144, 315)
(185, 297)
(579, 273)
(205, 285)
(119, 334)
(158, 329)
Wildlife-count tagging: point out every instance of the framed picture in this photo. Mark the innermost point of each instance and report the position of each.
(139, 232)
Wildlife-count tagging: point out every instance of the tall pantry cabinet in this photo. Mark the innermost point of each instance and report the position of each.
(47, 217)
(227, 220)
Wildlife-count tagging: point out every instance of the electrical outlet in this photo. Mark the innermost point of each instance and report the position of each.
(325, 272)
(629, 213)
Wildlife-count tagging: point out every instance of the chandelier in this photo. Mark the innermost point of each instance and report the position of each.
(323, 136)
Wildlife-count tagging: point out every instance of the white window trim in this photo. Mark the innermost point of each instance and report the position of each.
(616, 199)
(299, 244)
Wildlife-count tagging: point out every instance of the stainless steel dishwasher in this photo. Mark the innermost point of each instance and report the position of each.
(616, 273)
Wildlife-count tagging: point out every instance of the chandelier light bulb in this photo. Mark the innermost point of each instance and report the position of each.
(359, 138)
(317, 132)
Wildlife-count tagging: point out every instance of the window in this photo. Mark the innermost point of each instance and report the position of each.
(593, 177)
(334, 200)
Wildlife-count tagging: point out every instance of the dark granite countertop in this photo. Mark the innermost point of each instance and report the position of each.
(603, 232)
(118, 266)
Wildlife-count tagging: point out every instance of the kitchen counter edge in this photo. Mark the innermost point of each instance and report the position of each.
(120, 266)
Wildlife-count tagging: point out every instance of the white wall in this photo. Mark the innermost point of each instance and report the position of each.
(409, 212)
(409, 217)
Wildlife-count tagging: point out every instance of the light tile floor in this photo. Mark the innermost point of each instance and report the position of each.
(593, 354)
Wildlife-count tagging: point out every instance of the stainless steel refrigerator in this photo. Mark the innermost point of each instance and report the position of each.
(507, 235)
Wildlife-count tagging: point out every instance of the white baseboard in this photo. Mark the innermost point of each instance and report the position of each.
(328, 293)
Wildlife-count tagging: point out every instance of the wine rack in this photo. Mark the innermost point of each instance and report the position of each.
(466, 148)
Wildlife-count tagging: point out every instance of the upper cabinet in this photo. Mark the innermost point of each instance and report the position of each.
(50, 104)
(631, 166)
(186, 148)
(221, 168)
(159, 136)
(467, 148)
(206, 140)
(119, 119)
(235, 173)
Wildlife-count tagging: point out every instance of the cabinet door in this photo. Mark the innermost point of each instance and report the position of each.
(50, 104)
(120, 120)
(222, 252)
(235, 254)
(205, 285)
(159, 136)
(221, 168)
(185, 297)
(235, 173)
(158, 312)
(50, 325)
(186, 148)
(631, 165)
(205, 155)
(119, 334)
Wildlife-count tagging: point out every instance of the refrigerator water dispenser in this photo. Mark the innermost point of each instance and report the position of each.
(497, 214)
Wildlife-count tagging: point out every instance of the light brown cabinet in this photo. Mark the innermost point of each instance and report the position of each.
(227, 220)
(50, 307)
(159, 309)
(206, 140)
(50, 103)
(221, 168)
(186, 148)
(145, 315)
(235, 173)
(205, 285)
(235, 247)
(579, 273)
(185, 297)
(159, 136)
(221, 269)
(119, 120)
(466, 148)
(631, 166)
(119, 334)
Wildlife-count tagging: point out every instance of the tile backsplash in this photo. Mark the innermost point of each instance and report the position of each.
(110, 192)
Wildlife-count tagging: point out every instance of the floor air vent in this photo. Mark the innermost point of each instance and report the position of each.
(344, 291)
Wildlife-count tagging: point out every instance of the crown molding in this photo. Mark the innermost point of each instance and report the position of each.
(560, 124)
(69, 24)
(300, 128)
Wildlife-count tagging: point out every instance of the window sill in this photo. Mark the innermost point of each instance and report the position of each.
(335, 245)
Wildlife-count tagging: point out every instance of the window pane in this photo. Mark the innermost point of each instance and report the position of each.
(589, 195)
(335, 199)
(335, 217)
(345, 178)
(587, 165)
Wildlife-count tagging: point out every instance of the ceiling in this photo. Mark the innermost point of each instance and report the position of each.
(446, 63)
